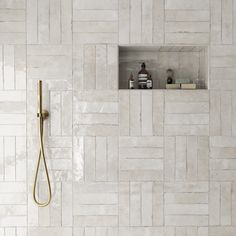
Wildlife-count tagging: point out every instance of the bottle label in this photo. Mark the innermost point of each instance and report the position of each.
(149, 84)
(131, 84)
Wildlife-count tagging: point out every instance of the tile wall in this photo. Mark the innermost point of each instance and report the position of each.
(122, 163)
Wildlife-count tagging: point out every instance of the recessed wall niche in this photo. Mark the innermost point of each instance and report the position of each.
(187, 62)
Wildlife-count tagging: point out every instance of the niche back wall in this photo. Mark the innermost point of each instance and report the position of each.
(121, 163)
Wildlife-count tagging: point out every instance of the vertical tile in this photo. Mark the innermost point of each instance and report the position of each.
(112, 67)
(158, 113)
(135, 203)
(169, 158)
(56, 207)
(101, 67)
(180, 158)
(66, 204)
(135, 21)
(192, 158)
(147, 24)
(43, 21)
(214, 204)
(32, 25)
(135, 113)
(1, 67)
(124, 19)
(227, 22)
(66, 21)
(146, 113)
(226, 113)
(101, 158)
(9, 73)
(66, 113)
(158, 202)
(10, 160)
(215, 108)
(124, 112)
(2, 167)
(21, 159)
(233, 222)
(233, 114)
(158, 21)
(203, 158)
(225, 203)
(146, 193)
(78, 67)
(89, 67)
(20, 67)
(124, 204)
(112, 155)
(55, 112)
(89, 158)
(78, 158)
(43, 213)
(55, 19)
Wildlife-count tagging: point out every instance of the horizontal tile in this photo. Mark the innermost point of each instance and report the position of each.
(187, 15)
(99, 221)
(187, 27)
(186, 220)
(93, 27)
(90, 4)
(95, 15)
(95, 38)
(185, 4)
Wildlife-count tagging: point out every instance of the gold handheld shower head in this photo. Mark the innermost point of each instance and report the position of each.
(42, 115)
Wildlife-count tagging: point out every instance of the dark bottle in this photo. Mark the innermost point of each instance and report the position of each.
(149, 82)
(142, 77)
(131, 81)
(170, 75)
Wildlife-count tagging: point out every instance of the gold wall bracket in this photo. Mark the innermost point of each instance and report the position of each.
(44, 114)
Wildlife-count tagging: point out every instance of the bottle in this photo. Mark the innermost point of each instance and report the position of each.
(170, 74)
(142, 77)
(149, 82)
(131, 81)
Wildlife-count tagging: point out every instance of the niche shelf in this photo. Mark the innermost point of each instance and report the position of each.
(188, 62)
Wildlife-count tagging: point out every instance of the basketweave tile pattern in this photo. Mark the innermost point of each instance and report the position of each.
(122, 163)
